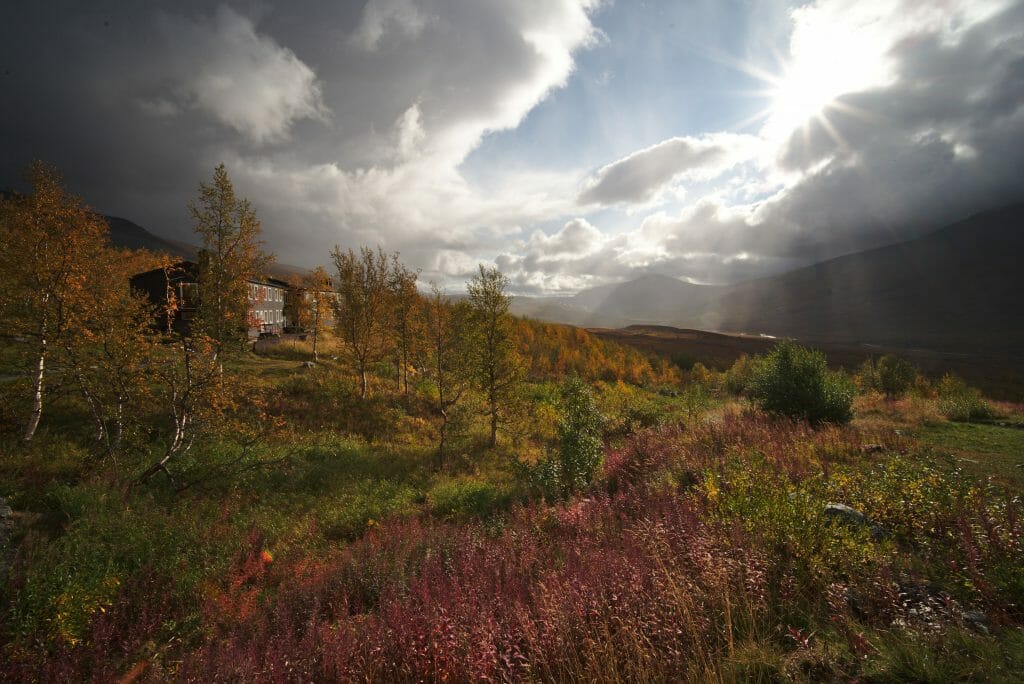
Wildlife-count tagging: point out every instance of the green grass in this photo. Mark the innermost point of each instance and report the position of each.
(983, 449)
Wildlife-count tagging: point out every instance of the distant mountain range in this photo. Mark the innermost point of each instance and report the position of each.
(959, 288)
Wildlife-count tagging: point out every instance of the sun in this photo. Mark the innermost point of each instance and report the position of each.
(803, 94)
(826, 60)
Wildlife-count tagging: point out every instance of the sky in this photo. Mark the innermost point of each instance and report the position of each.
(571, 143)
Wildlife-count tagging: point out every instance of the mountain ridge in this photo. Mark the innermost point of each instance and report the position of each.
(127, 234)
(899, 294)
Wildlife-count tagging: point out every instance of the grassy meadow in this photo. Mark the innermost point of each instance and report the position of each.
(326, 542)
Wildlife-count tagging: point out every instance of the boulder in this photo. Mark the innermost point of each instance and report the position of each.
(844, 513)
(977, 619)
(840, 511)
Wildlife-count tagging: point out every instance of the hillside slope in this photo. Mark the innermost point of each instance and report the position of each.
(130, 235)
(958, 288)
(125, 233)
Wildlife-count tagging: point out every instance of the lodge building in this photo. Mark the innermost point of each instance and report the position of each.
(180, 283)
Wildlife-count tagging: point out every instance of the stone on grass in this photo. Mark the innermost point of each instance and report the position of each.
(843, 512)
(847, 514)
(977, 619)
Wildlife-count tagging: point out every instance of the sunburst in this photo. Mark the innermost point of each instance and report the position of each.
(806, 89)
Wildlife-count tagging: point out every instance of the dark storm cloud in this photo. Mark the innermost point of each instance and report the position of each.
(343, 122)
(137, 104)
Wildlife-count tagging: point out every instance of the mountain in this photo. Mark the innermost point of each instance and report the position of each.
(651, 299)
(130, 235)
(958, 289)
(955, 289)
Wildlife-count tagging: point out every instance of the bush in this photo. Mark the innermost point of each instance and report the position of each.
(896, 375)
(866, 379)
(579, 442)
(961, 403)
(627, 410)
(739, 375)
(579, 435)
(795, 382)
(467, 498)
(694, 401)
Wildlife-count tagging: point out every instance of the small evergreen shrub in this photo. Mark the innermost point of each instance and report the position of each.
(795, 382)
(694, 401)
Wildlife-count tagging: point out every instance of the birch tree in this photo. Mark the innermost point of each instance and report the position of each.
(405, 301)
(446, 324)
(232, 254)
(321, 300)
(52, 245)
(494, 356)
(109, 347)
(360, 307)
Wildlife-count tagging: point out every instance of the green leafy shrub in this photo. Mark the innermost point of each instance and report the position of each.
(694, 400)
(580, 446)
(896, 375)
(628, 410)
(959, 402)
(579, 435)
(795, 382)
(468, 497)
(866, 378)
(739, 375)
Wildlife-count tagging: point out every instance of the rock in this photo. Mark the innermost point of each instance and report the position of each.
(872, 448)
(978, 620)
(839, 511)
(309, 364)
(844, 512)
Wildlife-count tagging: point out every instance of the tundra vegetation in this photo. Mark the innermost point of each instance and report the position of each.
(450, 493)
